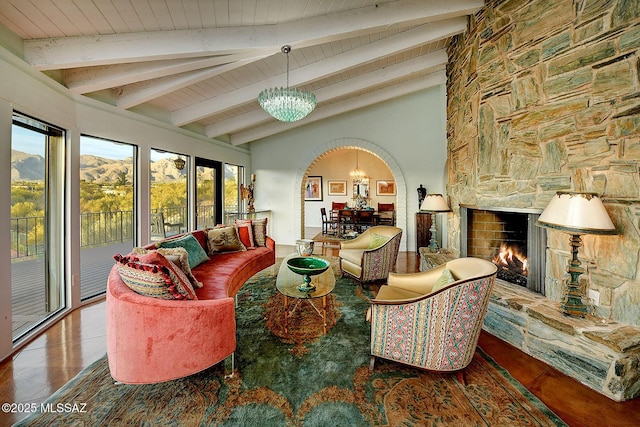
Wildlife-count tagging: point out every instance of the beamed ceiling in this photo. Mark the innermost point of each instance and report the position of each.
(200, 64)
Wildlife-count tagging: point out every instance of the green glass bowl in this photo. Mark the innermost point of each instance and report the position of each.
(308, 266)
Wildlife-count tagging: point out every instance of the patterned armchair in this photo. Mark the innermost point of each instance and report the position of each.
(371, 255)
(415, 323)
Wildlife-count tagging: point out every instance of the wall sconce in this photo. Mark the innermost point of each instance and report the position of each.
(434, 203)
(575, 214)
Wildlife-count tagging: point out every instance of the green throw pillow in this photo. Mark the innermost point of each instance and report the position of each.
(376, 240)
(445, 279)
(196, 254)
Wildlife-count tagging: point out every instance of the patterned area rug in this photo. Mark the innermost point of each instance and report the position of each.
(303, 378)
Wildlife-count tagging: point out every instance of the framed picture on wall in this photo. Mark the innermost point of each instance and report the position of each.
(385, 188)
(313, 189)
(337, 188)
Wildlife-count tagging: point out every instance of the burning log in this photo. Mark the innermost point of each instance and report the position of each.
(512, 264)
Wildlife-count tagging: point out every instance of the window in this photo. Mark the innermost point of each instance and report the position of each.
(169, 194)
(107, 223)
(37, 222)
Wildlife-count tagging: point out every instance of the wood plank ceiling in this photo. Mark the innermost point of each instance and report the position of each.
(201, 64)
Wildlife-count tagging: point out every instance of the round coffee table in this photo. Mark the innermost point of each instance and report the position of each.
(287, 283)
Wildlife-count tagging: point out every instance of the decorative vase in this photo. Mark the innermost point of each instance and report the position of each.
(307, 267)
(304, 247)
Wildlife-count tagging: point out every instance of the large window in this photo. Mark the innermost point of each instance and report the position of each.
(37, 223)
(169, 194)
(107, 222)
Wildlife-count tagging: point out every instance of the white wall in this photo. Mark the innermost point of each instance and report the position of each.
(411, 130)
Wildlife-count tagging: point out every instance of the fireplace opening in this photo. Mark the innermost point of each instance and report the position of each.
(512, 264)
(511, 240)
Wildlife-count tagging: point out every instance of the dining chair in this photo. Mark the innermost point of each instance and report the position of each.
(386, 214)
(329, 225)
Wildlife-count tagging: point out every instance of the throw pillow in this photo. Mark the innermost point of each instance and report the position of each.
(445, 279)
(245, 232)
(179, 256)
(224, 239)
(376, 240)
(157, 279)
(197, 255)
(259, 231)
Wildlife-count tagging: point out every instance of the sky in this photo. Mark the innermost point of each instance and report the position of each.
(31, 142)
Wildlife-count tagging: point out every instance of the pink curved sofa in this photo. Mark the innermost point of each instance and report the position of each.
(151, 340)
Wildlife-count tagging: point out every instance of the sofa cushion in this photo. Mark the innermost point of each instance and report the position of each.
(376, 240)
(197, 255)
(179, 256)
(443, 280)
(155, 276)
(259, 231)
(245, 232)
(224, 239)
(354, 256)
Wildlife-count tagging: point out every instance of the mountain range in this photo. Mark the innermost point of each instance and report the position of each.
(30, 167)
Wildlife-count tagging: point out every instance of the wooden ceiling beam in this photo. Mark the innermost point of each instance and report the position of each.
(427, 63)
(91, 79)
(392, 45)
(82, 51)
(342, 107)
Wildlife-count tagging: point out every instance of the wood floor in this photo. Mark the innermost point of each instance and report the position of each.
(56, 356)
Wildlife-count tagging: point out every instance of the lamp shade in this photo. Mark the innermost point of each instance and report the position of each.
(434, 203)
(576, 213)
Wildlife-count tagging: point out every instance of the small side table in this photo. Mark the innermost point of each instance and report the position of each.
(287, 283)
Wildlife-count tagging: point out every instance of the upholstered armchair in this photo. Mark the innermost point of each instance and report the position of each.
(371, 255)
(432, 319)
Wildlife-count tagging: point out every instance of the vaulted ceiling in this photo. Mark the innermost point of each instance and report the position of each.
(201, 64)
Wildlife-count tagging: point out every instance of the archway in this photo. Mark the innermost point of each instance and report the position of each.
(317, 152)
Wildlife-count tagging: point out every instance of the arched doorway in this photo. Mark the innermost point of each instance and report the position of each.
(316, 154)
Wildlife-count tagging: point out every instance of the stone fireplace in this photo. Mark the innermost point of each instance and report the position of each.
(510, 239)
(542, 97)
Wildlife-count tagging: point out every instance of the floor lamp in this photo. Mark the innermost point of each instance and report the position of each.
(434, 204)
(576, 214)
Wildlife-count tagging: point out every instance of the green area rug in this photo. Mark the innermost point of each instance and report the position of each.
(302, 378)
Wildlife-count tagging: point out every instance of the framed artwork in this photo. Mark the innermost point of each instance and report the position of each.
(385, 188)
(313, 189)
(337, 188)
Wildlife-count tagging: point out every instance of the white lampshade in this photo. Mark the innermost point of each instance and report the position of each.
(434, 203)
(576, 213)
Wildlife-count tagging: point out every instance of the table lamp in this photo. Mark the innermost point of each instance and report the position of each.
(434, 203)
(575, 214)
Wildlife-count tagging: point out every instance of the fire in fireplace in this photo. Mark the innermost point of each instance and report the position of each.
(510, 239)
(512, 264)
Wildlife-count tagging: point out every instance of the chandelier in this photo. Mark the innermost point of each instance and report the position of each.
(290, 104)
(357, 174)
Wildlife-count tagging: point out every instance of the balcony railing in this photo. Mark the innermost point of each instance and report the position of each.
(96, 229)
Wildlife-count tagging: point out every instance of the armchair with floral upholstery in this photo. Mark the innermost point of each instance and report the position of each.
(432, 319)
(372, 255)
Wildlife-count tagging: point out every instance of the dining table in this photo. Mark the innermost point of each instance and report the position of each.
(356, 220)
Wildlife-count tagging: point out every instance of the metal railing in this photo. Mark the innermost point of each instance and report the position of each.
(96, 228)
(27, 237)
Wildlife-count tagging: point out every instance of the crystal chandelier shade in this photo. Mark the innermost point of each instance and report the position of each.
(287, 104)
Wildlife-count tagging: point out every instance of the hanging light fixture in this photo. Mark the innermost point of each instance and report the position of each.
(290, 104)
(179, 163)
(357, 174)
